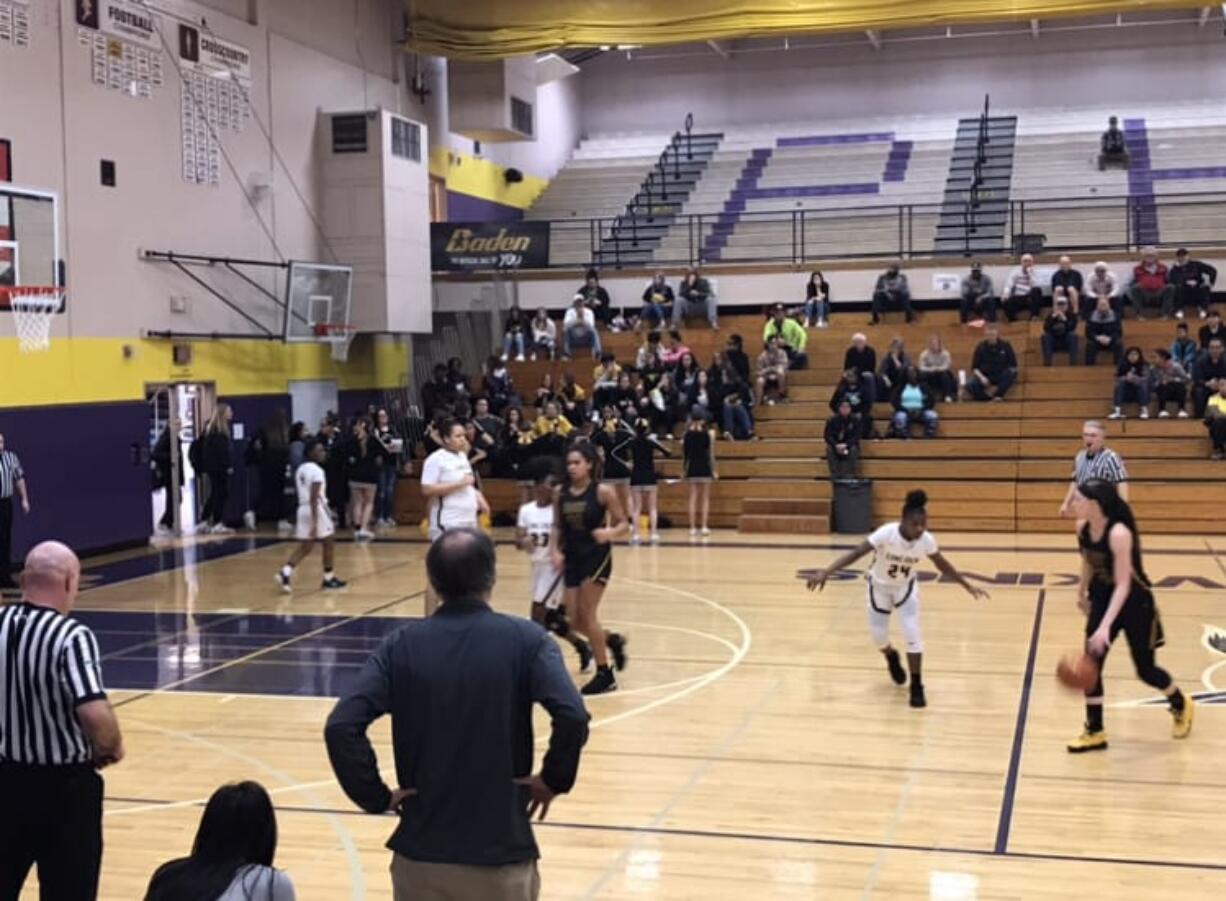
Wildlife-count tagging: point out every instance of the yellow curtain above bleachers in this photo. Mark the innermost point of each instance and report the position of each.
(491, 29)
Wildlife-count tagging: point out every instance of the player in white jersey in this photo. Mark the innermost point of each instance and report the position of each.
(314, 520)
(450, 488)
(532, 531)
(899, 548)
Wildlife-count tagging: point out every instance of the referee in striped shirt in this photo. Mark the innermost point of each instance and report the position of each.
(56, 730)
(12, 482)
(1096, 461)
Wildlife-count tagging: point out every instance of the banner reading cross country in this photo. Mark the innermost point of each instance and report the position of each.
(468, 246)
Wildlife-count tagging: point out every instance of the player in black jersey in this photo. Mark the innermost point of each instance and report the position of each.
(588, 519)
(1116, 595)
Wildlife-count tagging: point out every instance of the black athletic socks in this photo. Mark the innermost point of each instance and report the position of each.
(1176, 701)
(894, 662)
(1094, 716)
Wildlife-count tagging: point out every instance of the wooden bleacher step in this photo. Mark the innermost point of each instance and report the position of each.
(784, 506)
(787, 516)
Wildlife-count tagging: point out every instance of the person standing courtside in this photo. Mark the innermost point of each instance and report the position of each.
(1095, 461)
(460, 687)
(12, 483)
(56, 731)
(450, 489)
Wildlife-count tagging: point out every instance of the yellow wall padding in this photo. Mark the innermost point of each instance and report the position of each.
(492, 29)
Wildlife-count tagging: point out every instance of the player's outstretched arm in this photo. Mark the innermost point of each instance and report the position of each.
(818, 579)
(947, 569)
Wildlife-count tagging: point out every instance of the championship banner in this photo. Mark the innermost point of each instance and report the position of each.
(121, 19)
(210, 55)
(466, 246)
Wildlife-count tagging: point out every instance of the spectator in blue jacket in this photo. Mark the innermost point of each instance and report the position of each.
(1184, 350)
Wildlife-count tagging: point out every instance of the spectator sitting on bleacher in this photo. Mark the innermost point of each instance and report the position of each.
(1059, 331)
(893, 365)
(686, 372)
(936, 369)
(817, 301)
(1170, 383)
(863, 359)
(579, 329)
(913, 402)
(1067, 282)
(596, 297)
(1132, 379)
(671, 354)
(551, 430)
(1209, 375)
(665, 407)
(842, 436)
(994, 367)
(496, 384)
(978, 301)
(1150, 285)
(850, 390)
(701, 396)
(649, 360)
(657, 302)
(695, 295)
(573, 399)
(1213, 329)
(1112, 149)
(1215, 421)
(737, 358)
(604, 381)
(436, 392)
(546, 391)
(791, 334)
(544, 335)
(772, 379)
(736, 417)
(1103, 332)
(1193, 283)
(1022, 289)
(1184, 350)
(623, 398)
(1102, 283)
(892, 292)
(515, 333)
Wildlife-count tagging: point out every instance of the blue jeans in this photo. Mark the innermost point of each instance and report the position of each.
(513, 341)
(581, 337)
(1127, 392)
(737, 421)
(903, 420)
(683, 307)
(817, 310)
(653, 312)
(386, 496)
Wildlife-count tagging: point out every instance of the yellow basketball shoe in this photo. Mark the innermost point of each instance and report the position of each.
(1183, 718)
(1088, 741)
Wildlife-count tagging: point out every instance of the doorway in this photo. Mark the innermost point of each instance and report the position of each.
(174, 482)
(312, 399)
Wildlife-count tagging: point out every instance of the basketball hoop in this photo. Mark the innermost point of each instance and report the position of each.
(33, 311)
(340, 335)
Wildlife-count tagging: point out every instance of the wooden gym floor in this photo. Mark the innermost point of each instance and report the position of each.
(757, 748)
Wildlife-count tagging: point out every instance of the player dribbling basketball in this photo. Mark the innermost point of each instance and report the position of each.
(1115, 595)
(892, 585)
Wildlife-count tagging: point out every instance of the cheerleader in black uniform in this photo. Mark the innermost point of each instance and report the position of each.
(638, 452)
(587, 520)
(609, 436)
(1115, 595)
(698, 455)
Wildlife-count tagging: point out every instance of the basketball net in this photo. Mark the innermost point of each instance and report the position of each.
(33, 311)
(339, 335)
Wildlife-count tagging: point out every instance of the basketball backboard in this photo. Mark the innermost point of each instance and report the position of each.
(29, 241)
(316, 299)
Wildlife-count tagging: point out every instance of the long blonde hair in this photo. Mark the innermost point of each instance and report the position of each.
(220, 420)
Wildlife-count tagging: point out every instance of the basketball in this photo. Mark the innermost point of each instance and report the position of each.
(1077, 671)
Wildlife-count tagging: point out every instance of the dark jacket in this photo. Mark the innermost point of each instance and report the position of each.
(160, 456)
(842, 431)
(1110, 328)
(696, 292)
(892, 370)
(460, 687)
(994, 359)
(861, 361)
(665, 292)
(1140, 369)
(852, 393)
(1060, 328)
(1207, 334)
(1193, 272)
(1207, 369)
(216, 453)
(739, 361)
(822, 288)
(1070, 279)
(363, 465)
(598, 300)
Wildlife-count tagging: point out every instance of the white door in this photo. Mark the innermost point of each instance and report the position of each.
(311, 400)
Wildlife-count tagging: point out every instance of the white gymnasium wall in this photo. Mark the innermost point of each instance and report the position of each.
(1081, 68)
(307, 55)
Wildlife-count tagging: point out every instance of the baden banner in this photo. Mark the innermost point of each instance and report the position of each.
(466, 246)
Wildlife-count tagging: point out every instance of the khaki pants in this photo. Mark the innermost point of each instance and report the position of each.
(413, 880)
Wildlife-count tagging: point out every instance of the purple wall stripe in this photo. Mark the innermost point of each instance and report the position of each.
(466, 208)
(1193, 172)
(715, 242)
(1141, 182)
(877, 137)
(897, 162)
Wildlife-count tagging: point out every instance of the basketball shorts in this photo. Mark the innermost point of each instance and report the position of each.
(1139, 620)
(885, 600)
(302, 528)
(546, 584)
(595, 565)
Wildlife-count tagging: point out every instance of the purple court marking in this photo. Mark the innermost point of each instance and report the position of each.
(1141, 182)
(1019, 733)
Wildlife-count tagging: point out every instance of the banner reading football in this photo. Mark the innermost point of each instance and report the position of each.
(489, 245)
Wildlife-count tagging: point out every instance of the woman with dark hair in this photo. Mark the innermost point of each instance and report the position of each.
(610, 434)
(232, 855)
(686, 372)
(573, 400)
(638, 453)
(268, 450)
(497, 385)
(817, 301)
(515, 332)
(893, 584)
(365, 459)
(546, 392)
(1132, 384)
(698, 453)
(588, 519)
(393, 447)
(1115, 594)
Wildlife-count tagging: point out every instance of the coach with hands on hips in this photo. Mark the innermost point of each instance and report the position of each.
(460, 686)
(56, 730)
(12, 482)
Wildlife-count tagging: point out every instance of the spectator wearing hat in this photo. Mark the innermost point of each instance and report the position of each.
(1060, 331)
(792, 336)
(1151, 286)
(1101, 283)
(1193, 283)
(1067, 282)
(1023, 289)
(978, 299)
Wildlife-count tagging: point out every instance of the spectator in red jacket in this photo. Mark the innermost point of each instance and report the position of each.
(1150, 285)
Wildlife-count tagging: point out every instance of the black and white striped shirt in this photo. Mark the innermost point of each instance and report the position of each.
(49, 665)
(10, 474)
(1105, 465)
